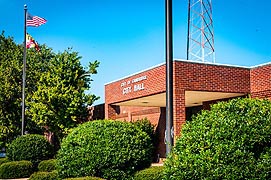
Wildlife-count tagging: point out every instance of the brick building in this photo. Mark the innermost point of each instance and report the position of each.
(196, 86)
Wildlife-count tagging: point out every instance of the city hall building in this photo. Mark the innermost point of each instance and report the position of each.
(195, 87)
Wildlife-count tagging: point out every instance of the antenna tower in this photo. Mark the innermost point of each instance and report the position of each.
(200, 37)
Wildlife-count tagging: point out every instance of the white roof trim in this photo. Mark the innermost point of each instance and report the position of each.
(152, 67)
(264, 64)
(210, 63)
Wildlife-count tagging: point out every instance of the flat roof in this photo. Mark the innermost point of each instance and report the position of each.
(190, 61)
(152, 67)
(264, 64)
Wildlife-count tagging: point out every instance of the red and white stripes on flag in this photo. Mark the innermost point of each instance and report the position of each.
(34, 20)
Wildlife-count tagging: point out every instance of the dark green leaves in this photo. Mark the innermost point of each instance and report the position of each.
(231, 141)
(103, 148)
(31, 147)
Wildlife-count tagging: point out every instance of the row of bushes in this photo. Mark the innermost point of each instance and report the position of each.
(108, 149)
(23, 169)
(152, 173)
(16, 169)
(3, 160)
(44, 175)
(54, 176)
(231, 141)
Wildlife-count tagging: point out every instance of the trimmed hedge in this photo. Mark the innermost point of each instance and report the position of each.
(44, 176)
(146, 126)
(4, 160)
(152, 173)
(16, 169)
(31, 147)
(104, 148)
(85, 178)
(231, 141)
(47, 165)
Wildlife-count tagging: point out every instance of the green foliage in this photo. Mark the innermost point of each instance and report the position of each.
(4, 160)
(31, 147)
(60, 101)
(152, 173)
(56, 87)
(47, 165)
(16, 169)
(104, 148)
(11, 56)
(85, 178)
(10, 77)
(44, 176)
(231, 141)
(146, 126)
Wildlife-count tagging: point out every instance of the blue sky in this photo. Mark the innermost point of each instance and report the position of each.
(127, 36)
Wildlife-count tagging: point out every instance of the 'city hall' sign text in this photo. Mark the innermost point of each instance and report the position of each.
(134, 85)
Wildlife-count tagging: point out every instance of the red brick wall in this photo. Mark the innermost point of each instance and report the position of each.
(261, 81)
(187, 76)
(205, 77)
(132, 114)
(155, 83)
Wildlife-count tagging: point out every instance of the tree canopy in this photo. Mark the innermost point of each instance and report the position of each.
(56, 89)
(60, 101)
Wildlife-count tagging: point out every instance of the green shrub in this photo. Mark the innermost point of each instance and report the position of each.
(146, 126)
(44, 176)
(104, 148)
(31, 147)
(16, 169)
(152, 173)
(47, 165)
(85, 178)
(4, 160)
(231, 141)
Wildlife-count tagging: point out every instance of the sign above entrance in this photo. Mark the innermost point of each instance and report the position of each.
(133, 85)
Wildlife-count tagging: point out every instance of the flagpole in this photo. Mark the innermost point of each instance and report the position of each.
(24, 71)
(169, 78)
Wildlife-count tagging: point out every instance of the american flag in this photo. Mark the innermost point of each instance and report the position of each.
(34, 20)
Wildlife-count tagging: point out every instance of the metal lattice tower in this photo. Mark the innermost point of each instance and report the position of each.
(200, 38)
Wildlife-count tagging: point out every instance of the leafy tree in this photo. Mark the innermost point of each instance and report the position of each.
(11, 63)
(60, 101)
(10, 88)
(55, 89)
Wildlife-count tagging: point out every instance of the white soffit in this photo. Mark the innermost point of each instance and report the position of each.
(192, 98)
(195, 98)
(157, 100)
